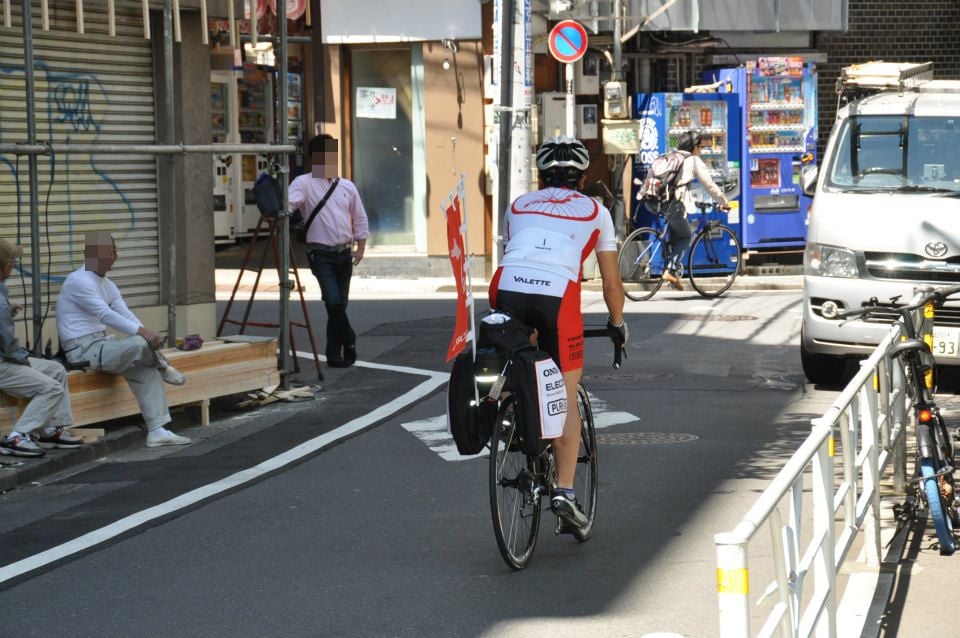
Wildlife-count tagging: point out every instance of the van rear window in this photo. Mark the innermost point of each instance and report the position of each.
(897, 153)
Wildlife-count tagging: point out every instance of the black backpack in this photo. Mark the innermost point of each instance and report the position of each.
(660, 185)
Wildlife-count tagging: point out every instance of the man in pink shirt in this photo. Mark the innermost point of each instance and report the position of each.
(336, 238)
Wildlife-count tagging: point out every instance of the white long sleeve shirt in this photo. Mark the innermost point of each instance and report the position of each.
(90, 303)
(695, 168)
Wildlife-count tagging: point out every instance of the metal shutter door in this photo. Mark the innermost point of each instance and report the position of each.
(89, 88)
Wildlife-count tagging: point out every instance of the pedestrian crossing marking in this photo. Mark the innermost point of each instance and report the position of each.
(433, 431)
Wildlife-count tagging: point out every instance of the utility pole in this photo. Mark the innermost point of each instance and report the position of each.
(512, 39)
(620, 161)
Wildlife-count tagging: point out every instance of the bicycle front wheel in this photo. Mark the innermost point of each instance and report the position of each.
(642, 260)
(936, 507)
(586, 479)
(514, 489)
(714, 260)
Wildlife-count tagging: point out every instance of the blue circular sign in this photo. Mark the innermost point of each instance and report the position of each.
(568, 41)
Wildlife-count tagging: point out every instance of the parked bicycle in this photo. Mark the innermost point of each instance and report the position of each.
(712, 264)
(519, 482)
(933, 486)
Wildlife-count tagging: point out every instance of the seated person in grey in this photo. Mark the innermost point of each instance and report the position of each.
(43, 382)
(89, 303)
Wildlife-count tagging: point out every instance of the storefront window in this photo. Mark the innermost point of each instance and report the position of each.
(383, 142)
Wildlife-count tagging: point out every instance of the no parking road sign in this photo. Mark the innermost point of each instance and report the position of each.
(568, 41)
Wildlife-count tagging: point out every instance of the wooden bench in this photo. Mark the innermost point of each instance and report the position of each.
(234, 365)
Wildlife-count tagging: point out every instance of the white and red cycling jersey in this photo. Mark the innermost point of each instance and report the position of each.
(550, 233)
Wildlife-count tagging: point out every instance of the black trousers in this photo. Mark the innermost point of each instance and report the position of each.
(333, 271)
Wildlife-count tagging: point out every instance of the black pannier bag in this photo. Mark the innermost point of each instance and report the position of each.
(541, 398)
(468, 423)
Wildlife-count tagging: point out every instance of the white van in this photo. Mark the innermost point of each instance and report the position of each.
(886, 213)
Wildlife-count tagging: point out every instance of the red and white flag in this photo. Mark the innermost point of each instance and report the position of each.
(454, 210)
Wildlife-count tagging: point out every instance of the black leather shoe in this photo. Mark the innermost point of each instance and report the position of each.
(337, 362)
(350, 354)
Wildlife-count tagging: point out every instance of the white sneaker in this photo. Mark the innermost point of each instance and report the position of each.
(163, 436)
(171, 376)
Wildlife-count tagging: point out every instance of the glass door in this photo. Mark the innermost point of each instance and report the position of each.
(383, 142)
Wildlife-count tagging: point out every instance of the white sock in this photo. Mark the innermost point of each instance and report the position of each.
(49, 430)
(15, 434)
(161, 432)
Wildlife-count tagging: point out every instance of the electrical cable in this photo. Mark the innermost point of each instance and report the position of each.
(46, 223)
(23, 281)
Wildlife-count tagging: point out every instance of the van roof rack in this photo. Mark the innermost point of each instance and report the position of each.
(879, 75)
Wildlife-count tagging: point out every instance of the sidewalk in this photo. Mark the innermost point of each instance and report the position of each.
(384, 287)
(916, 583)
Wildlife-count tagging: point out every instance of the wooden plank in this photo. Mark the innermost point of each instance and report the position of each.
(217, 369)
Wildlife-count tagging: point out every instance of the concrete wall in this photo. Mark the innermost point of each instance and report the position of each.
(453, 104)
(187, 191)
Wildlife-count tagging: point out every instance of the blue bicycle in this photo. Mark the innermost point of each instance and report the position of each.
(712, 264)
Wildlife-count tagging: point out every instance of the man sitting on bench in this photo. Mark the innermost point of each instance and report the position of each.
(88, 304)
(43, 382)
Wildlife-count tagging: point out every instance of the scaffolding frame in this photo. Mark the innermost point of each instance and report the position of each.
(169, 149)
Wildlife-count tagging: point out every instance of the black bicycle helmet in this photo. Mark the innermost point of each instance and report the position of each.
(562, 160)
(689, 140)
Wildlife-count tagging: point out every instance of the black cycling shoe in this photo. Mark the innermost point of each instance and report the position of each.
(569, 511)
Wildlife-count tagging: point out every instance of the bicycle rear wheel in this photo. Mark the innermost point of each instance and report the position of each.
(937, 507)
(714, 261)
(514, 503)
(642, 261)
(586, 479)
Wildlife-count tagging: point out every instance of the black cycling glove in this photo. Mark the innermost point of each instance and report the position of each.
(620, 334)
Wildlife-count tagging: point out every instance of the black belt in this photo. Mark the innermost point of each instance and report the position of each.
(325, 248)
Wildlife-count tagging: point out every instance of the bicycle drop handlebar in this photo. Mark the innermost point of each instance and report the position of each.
(937, 295)
(618, 348)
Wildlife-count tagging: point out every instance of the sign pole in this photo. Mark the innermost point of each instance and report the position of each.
(567, 43)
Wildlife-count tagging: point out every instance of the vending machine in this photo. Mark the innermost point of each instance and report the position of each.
(226, 185)
(665, 116)
(255, 126)
(295, 125)
(778, 103)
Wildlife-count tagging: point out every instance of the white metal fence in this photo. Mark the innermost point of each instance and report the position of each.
(870, 416)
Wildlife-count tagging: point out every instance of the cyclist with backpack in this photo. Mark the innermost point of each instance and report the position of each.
(549, 233)
(673, 187)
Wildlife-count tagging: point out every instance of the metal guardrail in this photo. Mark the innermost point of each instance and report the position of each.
(870, 416)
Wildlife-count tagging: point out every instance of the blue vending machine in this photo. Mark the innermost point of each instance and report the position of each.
(665, 116)
(778, 103)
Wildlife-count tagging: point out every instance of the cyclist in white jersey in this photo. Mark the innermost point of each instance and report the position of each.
(549, 234)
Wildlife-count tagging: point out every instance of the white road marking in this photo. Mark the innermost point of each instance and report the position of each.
(433, 431)
(98, 536)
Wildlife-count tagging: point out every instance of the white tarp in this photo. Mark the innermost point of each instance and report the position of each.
(357, 21)
(742, 15)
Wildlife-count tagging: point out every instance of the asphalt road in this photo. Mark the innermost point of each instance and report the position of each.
(374, 531)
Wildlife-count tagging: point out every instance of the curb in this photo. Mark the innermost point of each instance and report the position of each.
(27, 470)
(119, 435)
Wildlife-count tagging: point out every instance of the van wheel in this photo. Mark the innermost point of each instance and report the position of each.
(822, 368)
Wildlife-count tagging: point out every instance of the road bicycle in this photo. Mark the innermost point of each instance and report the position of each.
(519, 482)
(933, 486)
(712, 264)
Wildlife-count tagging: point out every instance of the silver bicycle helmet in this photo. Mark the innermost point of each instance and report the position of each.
(562, 152)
